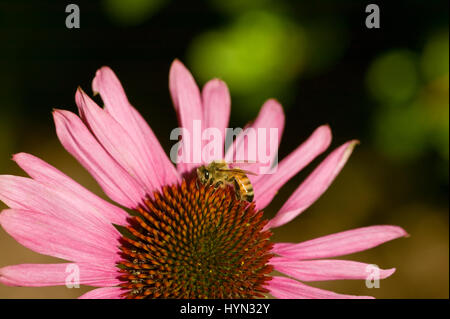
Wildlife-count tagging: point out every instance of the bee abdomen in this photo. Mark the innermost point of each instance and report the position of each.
(249, 197)
(244, 189)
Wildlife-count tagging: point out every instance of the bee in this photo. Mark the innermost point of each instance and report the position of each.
(219, 174)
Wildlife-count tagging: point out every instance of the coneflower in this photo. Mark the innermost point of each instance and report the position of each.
(182, 239)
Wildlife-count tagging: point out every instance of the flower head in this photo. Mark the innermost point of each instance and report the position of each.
(183, 238)
(193, 241)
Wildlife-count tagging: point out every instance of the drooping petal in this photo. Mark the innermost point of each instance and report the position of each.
(188, 105)
(117, 142)
(216, 108)
(325, 269)
(114, 180)
(286, 288)
(28, 194)
(339, 244)
(104, 293)
(59, 238)
(268, 185)
(314, 185)
(40, 275)
(147, 145)
(270, 117)
(52, 177)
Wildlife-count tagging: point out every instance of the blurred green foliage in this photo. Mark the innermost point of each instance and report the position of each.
(435, 57)
(258, 54)
(393, 76)
(412, 92)
(132, 12)
(261, 53)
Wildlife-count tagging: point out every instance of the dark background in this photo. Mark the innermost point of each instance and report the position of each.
(387, 87)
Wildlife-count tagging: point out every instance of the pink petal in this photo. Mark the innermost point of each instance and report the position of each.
(113, 179)
(216, 107)
(268, 185)
(50, 176)
(104, 293)
(314, 185)
(188, 105)
(271, 116)
(118, 143)
(117, 105)
(320, 270)
(28, 194)
(339, 244)
(40, 275)
(286, 288)
(55, 237)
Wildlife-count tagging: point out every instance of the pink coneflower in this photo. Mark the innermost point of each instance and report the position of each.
(183, 239)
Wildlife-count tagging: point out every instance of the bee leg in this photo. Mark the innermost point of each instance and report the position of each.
(218, 184)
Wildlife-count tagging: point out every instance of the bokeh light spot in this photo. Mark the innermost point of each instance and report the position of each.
(132, 12)
(436, 55)
(401, 132)
(257, 55)
(393, 76)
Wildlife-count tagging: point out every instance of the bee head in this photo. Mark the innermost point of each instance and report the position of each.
(203, 174)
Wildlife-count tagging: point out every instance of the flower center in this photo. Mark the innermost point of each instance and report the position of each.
(196, 241)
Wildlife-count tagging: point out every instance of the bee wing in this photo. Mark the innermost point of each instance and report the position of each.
(245, 165)
(244, 162)
(237, 171)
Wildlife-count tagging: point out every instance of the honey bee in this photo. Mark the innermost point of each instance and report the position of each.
(219, 174)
